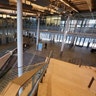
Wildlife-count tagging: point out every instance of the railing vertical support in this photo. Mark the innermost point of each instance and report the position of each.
(92, 79)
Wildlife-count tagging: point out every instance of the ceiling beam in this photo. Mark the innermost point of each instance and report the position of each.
(89, 2)
(67, 4)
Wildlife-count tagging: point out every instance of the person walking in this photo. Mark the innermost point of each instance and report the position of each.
(45, 46)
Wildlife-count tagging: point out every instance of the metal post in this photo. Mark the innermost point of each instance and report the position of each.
(19, 40)
(91, 81)
(65, 33)
(37, 39)
(19, 37)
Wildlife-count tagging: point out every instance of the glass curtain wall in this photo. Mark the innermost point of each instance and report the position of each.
(86, 26)
(7, 28)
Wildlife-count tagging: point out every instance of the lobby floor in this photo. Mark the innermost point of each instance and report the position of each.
(75, 55)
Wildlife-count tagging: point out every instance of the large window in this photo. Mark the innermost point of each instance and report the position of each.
(91, 23)
(79, 23)
(81, 41)
(53, 20)
(78, 41)
(86, 42)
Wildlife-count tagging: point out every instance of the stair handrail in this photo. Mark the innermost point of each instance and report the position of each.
(8, 56)
(19, 82)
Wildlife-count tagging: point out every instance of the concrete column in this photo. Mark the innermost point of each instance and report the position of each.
(19, 38)
(37, 37)
(65, 33)
(73, 37)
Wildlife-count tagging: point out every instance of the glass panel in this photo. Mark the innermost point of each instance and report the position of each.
(67, 38)
(81, 42)
(86, 42)
(53, 20)
(94, 44)
(91, 42)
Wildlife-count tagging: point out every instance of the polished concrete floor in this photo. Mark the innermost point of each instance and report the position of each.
(75, 55)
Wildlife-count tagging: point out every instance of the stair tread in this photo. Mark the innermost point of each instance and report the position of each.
(42, 91)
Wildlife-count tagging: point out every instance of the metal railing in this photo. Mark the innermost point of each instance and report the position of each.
(32, 77)
(5, 62)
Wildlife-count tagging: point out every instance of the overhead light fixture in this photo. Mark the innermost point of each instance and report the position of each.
(14, 17)
(8, 16)
(31, 14)
(35, 6)
(4, 15)
(6, 10)
(0, 15)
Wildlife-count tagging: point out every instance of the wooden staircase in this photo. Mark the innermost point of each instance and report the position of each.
(42, 89)
(66, 79)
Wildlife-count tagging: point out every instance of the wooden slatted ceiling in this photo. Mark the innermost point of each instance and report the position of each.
(81, 5)
(77, 3)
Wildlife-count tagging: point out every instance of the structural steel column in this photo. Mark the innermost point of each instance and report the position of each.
(19, 38)
(37, 37)
(73, 37)
(65, 33)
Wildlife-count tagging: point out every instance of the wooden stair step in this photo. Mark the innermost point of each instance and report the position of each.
(42, 90)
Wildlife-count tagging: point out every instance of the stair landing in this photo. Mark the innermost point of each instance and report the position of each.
(67, 79)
